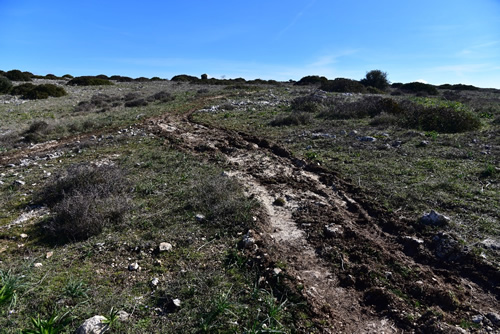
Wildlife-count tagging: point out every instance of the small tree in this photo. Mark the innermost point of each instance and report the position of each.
(377, 79)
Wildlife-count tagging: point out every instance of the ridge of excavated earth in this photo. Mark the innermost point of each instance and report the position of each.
(313, 202)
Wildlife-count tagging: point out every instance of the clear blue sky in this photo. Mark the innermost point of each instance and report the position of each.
(437, 41)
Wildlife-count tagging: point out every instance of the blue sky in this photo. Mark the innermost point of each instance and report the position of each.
(437, 41)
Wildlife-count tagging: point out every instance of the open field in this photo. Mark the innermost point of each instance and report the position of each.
(286, 209)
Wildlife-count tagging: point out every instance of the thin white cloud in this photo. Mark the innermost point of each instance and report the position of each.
(295, 19)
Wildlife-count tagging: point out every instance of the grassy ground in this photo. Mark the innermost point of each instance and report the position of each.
(217, 285)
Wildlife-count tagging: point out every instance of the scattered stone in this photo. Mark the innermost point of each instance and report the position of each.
(477, 319)
(397, 143)
(353, 133)
(38, 265)
(49, 255)
(23, 235)
(490, 244)
(277, 271)
(19, 183)
(154, 282)
(165, 247)
(368, 139)
(494, 318)
(94, 325)
(157, 263)
(123, 316)
(333, 230)
(423, 143)
(176, 302)
(199, 217)
(134, 267)
(446, 247)
(247, 241)
(434, 219)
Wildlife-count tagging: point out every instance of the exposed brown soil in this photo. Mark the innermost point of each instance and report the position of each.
(357, 266)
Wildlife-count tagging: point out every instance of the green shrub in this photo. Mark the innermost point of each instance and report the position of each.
(458, 87)
(16, 75)
(43, 91)
(5, 85)
(294, 118)
(440, 116)
(377, 79)
(342, 85)
(22, 89)
(308, 103)
(88, 81)
(419, 87)
(367, 106)
(85, 199)
(185, 78)
(67, 76)
(162, 96)
(51, 77)
(37, 132)
(136, 103)
(311, 80)
(120, 78)
(141, 79)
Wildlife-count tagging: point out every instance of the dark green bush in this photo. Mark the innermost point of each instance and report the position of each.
(342, 85)
(88, 81)
(311, 80)
(51, 77)
(136, 103)
(16, 75)
(156, 79)
(377, 79)
(440, 116)
(120, 78)
(22, 89)
(294, 118)
(419, 87)
(102, 76)
(142, 79)
(85, 199)
(458, 87)
(367, 106)
(5, 85)
(43, 91)
(185, 78)
(67, 76)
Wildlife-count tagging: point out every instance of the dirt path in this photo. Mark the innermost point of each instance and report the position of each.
(354, 268)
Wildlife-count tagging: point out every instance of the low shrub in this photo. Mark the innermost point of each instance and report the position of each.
(222, 201)
(5, 85)
(43, 91)
(120, 78)
(342, 85)
(458, 87)
(37, 132)
(185, 78)
(311, 80)
(419, 87)
(98, 103)
(162, 96)
(367, 106)
(16, 75)
(88, 81)
(136, 103)
(308, 103)
(67, 76)
(84, 199)
(294, 118)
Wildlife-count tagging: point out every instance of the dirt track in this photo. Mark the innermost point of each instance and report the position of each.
(355, 273)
